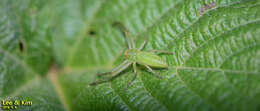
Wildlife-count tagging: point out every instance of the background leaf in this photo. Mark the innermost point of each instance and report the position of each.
(51, 50)
(25, 52)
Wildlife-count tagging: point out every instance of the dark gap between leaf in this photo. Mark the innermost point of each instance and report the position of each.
(21, 46)
(92, 32)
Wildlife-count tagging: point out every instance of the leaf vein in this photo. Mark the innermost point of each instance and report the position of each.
(125, 102)
(213, 38)
(243, 49)
(185, 85)
(214, 69)
(151, 95)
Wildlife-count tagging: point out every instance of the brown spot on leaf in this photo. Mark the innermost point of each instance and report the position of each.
(206, 7)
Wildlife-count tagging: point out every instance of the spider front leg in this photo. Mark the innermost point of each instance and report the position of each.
(114, 73)
(143, 44)
(129, 39)
(100, 81)
(114, 69)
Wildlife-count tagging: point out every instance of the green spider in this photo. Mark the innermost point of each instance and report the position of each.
(134, 56)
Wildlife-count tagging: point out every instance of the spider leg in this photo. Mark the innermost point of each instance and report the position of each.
(143, 44)
(154, 73)
(133, 77)
(160, 52)
(134, 65)
(129, 39)
(113, 73)
(113, 70)
(100, 81)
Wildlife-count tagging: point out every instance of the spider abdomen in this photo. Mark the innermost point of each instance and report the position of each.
(150, 59)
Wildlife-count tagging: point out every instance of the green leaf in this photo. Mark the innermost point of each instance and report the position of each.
(50, 51)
